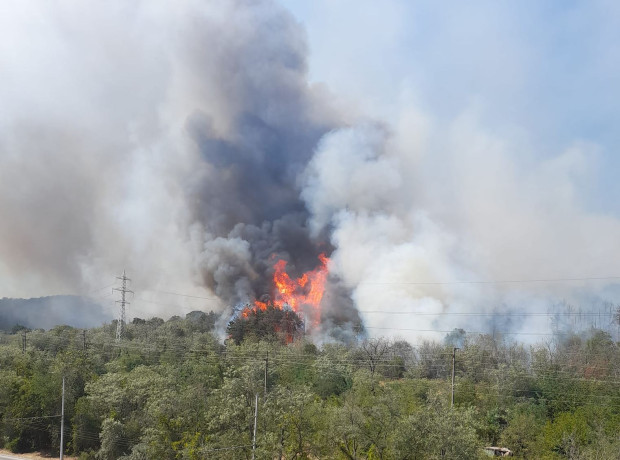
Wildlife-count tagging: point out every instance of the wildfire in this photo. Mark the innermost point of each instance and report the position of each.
(302, 295)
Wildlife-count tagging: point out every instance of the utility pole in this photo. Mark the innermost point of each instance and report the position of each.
(120, 325)
(266, 364)
(617, 318)
(23, 341)
(453, 363)
(62, 421)
(255, 422)
(84, 339)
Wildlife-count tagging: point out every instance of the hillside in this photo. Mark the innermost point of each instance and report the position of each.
(171, 389)
(47, 312)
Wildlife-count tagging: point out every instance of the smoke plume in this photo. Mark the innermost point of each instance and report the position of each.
(164, 141)
(186, 145)
(455, 234)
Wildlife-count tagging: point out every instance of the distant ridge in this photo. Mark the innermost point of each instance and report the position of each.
(47, 312)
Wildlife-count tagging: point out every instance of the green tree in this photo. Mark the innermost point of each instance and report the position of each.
(525, 423)
(271, 323)
(437, 432)
(113, 440)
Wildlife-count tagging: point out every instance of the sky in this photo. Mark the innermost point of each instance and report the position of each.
(527, 92)
(545, 72)
(436, 151)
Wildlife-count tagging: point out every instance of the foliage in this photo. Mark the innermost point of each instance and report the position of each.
(172, 390)
(272, 323)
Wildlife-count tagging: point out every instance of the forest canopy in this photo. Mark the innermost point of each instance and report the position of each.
(171, 389)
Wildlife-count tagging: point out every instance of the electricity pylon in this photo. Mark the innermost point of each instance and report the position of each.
(120, 325)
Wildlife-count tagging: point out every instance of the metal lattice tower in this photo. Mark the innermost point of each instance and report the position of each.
(120, 325)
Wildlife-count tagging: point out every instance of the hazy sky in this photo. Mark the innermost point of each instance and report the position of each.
(508, 112)
(545, 72)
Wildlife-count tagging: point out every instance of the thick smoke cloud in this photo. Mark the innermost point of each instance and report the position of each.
(186, 145)
(413, 222)
(167, 141)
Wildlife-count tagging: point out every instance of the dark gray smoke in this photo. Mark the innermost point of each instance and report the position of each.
(167, 141)
(248, 198)
(184, 143)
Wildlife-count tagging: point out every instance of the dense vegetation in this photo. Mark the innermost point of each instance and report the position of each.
(269, 324)
(172, 390)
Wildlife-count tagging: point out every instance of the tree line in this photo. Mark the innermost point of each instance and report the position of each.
(175, 390)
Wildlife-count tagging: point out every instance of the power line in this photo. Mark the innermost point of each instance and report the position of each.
(183, 295)
(471, 332)
(217, 449)
(44, 338)
(140, 299)
(101, 288)
(6, 419)
(586, 399)
(482, 313)
(512, 281)
(294, 360)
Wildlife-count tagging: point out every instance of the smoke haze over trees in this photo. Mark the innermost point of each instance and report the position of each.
(171, 389)
(425, 177)
(47, 312)
(190, 144)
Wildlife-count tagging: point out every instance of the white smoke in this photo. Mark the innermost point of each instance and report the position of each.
(139, 136)
(185, 144)
(412, 222)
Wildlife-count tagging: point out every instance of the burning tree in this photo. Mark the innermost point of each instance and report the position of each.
(281, 315)
(303, 295)
(270, 322)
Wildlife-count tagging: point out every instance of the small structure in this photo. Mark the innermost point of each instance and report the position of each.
(497, 452)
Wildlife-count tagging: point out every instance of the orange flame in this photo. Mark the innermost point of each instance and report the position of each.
(302, 295)
(305, 293)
